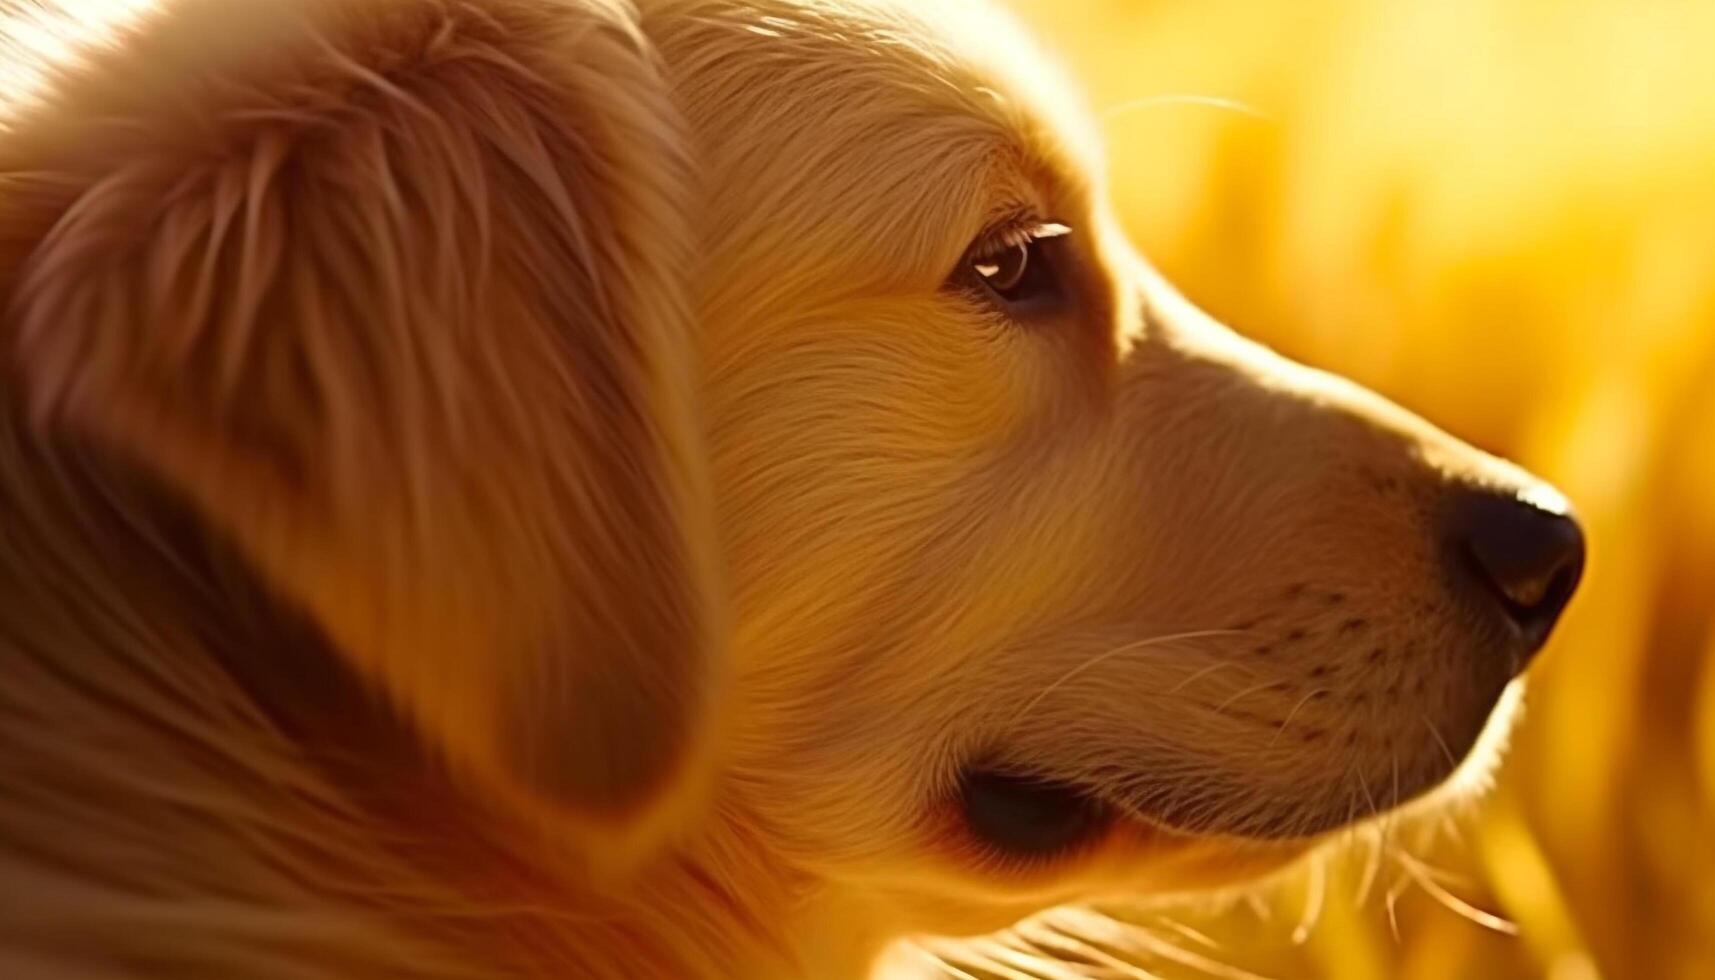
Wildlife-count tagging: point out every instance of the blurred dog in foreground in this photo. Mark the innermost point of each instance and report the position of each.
(553, 487)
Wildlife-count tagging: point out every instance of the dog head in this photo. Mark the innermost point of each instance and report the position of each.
(579, 368)
(1042, 583)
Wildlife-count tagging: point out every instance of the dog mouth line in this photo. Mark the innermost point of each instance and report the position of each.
(1339, 771)
(1024, 814)
(1027, 811)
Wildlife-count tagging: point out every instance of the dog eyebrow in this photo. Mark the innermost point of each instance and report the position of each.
(911, 215)
(987, 183)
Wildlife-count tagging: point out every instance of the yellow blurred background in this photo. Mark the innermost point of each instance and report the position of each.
(1502, 214)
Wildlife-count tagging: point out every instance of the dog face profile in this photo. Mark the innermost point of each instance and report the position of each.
(1057, 580)
(737, 436)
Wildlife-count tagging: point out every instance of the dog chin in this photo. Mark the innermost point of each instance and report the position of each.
(1475, 774)
(1231, 806)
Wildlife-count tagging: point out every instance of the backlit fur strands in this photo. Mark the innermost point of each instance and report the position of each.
(498, 488)
(410, 328)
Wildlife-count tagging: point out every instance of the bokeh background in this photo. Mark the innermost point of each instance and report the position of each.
(1501, 213)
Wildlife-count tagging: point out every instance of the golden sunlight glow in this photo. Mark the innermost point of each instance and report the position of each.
(46, 32)
(1502, 214)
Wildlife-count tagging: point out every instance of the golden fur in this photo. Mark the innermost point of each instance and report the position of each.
(503, 487)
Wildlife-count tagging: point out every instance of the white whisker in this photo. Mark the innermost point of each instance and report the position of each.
(1392, 902)
(1450, 825)
(1249, 690)
(1306, 699)
(1373, 862)
(1259, 907)
(1153, 641)
(1452, 760)
(1315, 895)
(1206, 671)
(1393, 764)
(1183, 99)
(1426, 879)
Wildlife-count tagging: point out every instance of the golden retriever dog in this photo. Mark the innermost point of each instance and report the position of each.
(685, 488)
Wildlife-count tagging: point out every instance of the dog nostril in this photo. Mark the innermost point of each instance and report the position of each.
(1527, 558)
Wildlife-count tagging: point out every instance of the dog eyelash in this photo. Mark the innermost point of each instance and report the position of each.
(1011, 233)
(1009, 268)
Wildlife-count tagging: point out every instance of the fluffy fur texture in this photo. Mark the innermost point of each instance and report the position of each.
(517, 487)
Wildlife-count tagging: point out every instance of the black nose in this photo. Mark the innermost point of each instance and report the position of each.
(1525, 558)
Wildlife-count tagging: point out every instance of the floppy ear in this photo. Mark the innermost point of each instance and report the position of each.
(393, 291)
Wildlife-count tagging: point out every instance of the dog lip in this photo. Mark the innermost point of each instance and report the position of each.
(1284, 824)
(1230, 809)
(1309, 824)
(1028, 815)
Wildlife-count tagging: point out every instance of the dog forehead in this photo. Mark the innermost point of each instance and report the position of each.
(899, 24)
(852, 122)
(959, 56)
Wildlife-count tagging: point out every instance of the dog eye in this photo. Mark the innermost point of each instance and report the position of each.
(1027, 816)
(1018, 269)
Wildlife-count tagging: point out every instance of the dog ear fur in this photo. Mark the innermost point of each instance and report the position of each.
(394, 293)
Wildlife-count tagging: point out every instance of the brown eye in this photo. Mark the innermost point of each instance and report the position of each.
(1019, 272)
(1004, 272)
